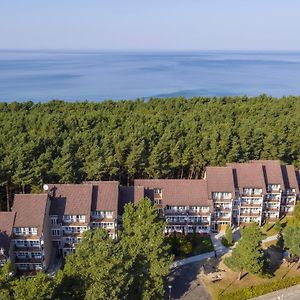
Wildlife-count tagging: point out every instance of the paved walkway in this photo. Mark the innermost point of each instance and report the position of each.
(271, 238)
(292, 293)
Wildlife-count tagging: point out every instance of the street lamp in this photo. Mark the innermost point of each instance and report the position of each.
(170, 289)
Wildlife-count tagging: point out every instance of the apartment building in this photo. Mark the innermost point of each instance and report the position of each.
(104, 211)
(76, 208)
(31, 241)
(183, 203)
(54, 222)
(70, 214)
(222, 195)
(6, 229)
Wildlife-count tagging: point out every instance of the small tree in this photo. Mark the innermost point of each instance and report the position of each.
(291, 237)
(277, 226)
(229, 236)
(248, 255)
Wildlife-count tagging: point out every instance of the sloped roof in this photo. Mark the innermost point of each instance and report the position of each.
(71, 199)
(220, 179)
(30, 210)
(178, 191)
(6, 226)
(249, 175)
(130, 194)
(290, 177)
(105, 196)
(272, 171)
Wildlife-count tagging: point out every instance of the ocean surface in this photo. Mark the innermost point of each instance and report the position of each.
(96, 76)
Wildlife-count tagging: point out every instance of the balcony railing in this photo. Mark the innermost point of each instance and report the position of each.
(222, 200)
(27, 249)
(255, 204)
(185, 212)
(23, 236)
(250, 213)
(72, 234)
(77, 224)
(28, 260)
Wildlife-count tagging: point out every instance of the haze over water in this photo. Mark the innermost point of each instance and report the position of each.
(91, 75)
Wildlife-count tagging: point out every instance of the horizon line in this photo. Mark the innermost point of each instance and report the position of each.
(148, 50)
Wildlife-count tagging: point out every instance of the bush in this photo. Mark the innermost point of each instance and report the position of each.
(258, 290)
(188, 245)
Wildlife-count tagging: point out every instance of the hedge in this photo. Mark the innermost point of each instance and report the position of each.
(258, 290)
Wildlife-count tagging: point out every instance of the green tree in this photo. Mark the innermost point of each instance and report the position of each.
(277, 226)
(95, 271)
(229, 235)
(40, 287)
(4, 281)
(248, 255)
(147, 252)
(291, 237)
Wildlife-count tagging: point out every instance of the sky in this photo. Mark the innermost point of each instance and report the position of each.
(150, 24)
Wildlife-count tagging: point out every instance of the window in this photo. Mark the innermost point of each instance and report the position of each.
(157, 201)
(157, 191)
(17, 230)
(55, 232)
(53, 220)
(109, 214)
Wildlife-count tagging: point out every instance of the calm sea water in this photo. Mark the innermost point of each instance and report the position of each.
(91, 75)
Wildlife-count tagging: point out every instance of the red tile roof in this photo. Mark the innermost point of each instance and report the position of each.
(30, 210)
(220, 179)
(6, 226)
(290, 177)
(105, 196)
(71, 199)
(249, 175)
(179, 191)
(272, 171)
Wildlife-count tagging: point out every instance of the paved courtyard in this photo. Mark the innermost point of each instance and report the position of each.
(186, 285)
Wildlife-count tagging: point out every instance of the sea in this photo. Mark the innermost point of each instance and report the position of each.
(43, 75)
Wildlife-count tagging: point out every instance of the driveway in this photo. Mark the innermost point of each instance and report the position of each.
(185, 283)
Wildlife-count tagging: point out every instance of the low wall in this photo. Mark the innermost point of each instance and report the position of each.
(192, 259)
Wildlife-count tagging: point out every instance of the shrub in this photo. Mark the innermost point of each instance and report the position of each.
(258, 290)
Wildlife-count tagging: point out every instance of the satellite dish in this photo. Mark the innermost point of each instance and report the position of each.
(45, 187)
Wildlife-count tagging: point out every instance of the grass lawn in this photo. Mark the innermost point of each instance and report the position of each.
(229, 282)
(268, 229)
(183, 246)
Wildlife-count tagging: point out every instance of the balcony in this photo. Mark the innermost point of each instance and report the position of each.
(223, 219)
(272, 208)
(157, 196)
(250, 213)
(289, 203)
(28, 260)
(25, 236)
(221, 200)
(186, 212)
(273, 200)
(72, 234)
(77, 224)
(225, 209)
(252, 204)
(27, 249)
(251, 195)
